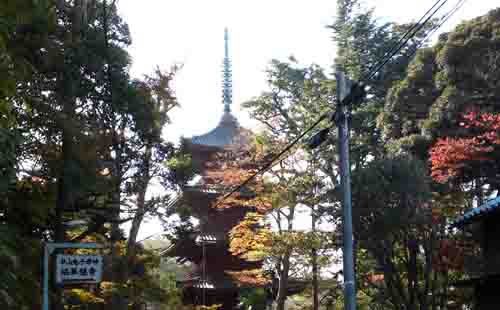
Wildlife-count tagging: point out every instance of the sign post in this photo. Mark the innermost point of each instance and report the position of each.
(51, 247)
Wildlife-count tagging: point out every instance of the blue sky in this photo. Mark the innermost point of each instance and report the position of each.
(191, 32)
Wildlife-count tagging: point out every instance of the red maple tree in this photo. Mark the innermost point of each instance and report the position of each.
(471, 156)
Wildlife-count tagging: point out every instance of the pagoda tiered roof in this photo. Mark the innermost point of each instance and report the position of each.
(224, 270)
(200, 199)
(227, 133)
(228, 279)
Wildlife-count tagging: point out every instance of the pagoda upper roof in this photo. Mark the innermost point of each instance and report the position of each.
(227, 133)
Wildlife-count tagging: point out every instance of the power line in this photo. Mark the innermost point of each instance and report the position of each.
(370, 75)
(402, 42)
(444, 19)
(408, 32)
(273, 162)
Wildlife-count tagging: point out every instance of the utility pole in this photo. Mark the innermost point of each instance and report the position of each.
(343, 90)
(348, 94)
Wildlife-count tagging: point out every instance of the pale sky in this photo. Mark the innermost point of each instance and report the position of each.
(191, 32)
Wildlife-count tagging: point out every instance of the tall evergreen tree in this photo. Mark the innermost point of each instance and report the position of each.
(81, 125)
(460, 72)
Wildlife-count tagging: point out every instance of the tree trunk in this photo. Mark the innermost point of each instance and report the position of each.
(413, 285)
(144, 180)
(141, 202)
(119, 275)
(65, 191)
(283, 282)
(136, 224)
(118, 129)
(64, 187)
(314, 261)
(285, 266)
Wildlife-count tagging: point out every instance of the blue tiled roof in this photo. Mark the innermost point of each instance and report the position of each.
(471, 215)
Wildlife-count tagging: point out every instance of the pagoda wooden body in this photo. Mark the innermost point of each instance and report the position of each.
(217, 276)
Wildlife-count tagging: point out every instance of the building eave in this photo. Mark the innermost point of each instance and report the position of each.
(490, 207)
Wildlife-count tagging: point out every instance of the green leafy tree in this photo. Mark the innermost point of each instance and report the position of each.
(151, 154)
(363, 42)
(457, 74)
(400, 237)
(73, 126)
(24, 27)
(297, 96)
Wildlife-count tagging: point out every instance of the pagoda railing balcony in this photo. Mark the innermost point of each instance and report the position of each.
(206, 239)
(219, 189)
(204, 284)
(209, 188)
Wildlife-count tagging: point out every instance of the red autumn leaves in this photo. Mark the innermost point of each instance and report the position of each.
(453, 157)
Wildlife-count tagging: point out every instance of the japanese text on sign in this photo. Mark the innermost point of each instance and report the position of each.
(79, 269)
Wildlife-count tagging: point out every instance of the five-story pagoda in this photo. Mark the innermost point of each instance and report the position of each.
(221, 158)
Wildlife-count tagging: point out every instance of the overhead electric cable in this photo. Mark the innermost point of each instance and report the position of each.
(374, 71)
(408, 32)
(444, 19)
(273, 162)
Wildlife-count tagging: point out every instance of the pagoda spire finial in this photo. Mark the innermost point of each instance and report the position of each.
(227, 82)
